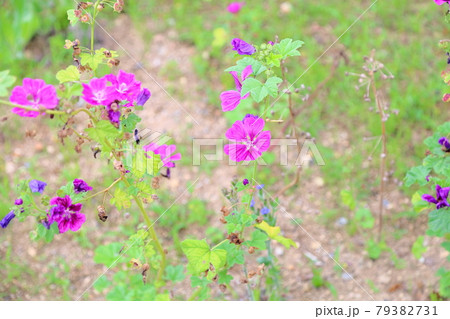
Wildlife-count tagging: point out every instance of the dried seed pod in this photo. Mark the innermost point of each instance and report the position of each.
(30, 133)
(259, 219)
(260, 269)
(102, 213)
(251, 273)
(234, 239)
(223, 288)
(155, 182)
(225, 211)
(251, 249)
(145, 268)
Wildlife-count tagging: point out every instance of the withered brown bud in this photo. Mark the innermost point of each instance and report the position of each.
(118, 165)
(251, 273)
(107, 53)
(222, 220)
(78, 148)
(259, 219)
(30, 133)
(243, 281)
(117, 7)
(155, 182)
(100, 7)
(251, 249)
(76, 51)
(136, 263)
(260, 269)
(113, 62)
(77, 13)
(155, 197)
(102, 213)
(225, 211)
(223, 288)
(234, 239)
(145, 267)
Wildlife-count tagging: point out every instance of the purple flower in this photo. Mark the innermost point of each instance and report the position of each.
(143, 96)
(126, 86)
(441, 2)
(249, 139)
(252, 203)
(18, 202)
(37, 186)
(231, 99)
(245, 181)
(66, 214)
(242, 47)
(270, 42)
(33, 93)
(7, 219)
(80, 186)
(235, 7)
(427, 178)
(260, 186)
(165, 152)
(441, 197)
(98, 93)
(444, 142)
(46, 224)
(265, 211)
(113, 115)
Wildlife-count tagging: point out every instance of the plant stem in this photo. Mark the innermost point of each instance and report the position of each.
(103, 191)
(383, 155)
(152, 233)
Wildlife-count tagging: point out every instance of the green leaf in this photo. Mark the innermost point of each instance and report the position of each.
(108, 254)
(71, 17)
(92, 60)
(444, 282)
(288, 47)
(70, 74)
(102, 132)
(439, 221)
(6, 81)
(257, 67)
(348, 199)
(365, 218)
(257, 89)
(418, 203)
(418, 249)
(175, 273)
(272, 85)
(121, 199)
(418, 175)
(273, 232)
(129, 124)
(235, 255)
(374, 250)
(200, 256)
(47, 234)
(102, 283)
(258, 240)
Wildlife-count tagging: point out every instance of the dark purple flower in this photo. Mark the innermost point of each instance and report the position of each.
(245, 181)
(80, 186)
(7, 219)
(242, 47)
(18, 202)
(427, 178)
(46, 224)
(441, 197)
(66, 214)
(113, 116)
(265, 211)
(143, 97)
(444, 142)
(37, 186)
(270, 42)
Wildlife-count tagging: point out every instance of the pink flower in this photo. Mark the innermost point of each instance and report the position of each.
(235, 7)
(66, 214)
(231, 99)
(441, 2)
(165, 152)
(98, 93)
(249, 139)
(126, 86)
(33, 93)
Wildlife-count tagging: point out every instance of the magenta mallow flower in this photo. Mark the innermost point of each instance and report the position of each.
(441, 2)
(7, 219)
(33, 93)
(66, 214)
(113, 116)
(242, 47)
(250, 141)
(37, 186)
(97, 92)
(245, 181)
(441, 197)
(231, 99)
(235, 7)
(80, 186)
(143, 97)
(18, 202)
(165, 152)
(444, 142)
(125, 85)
